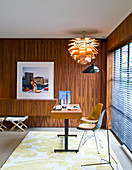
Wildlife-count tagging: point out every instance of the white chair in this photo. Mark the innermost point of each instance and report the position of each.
(18, 122)
(2, 127)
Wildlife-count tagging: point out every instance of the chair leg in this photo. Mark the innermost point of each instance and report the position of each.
(79, 133)
(17, 124)
(23, 124)
(99, 140)
(1, 129)
(81, 141)
(85, 137)
(2, 126)
(96, 143)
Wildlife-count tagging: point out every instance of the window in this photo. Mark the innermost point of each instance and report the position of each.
(122, 95)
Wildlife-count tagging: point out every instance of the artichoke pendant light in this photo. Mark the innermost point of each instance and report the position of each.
(83, 50)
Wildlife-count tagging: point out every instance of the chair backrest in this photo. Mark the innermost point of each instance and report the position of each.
(99, 123)
(96, 112)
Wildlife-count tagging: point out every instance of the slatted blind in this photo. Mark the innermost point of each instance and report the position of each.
(122, 95)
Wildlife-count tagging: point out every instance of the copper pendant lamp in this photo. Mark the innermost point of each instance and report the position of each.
(83, 50)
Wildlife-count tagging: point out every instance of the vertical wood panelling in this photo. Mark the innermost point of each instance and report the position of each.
(86, 89)
(121, 34)
(109, 86)
(6, 81)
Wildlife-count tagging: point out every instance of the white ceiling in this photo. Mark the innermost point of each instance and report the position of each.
(61, 18)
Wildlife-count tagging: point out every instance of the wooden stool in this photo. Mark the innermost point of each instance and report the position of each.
(18, 122)
(2, 127)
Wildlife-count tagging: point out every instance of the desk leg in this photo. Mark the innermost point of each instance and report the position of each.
(66, 140)
(66, 133)
(66, 127)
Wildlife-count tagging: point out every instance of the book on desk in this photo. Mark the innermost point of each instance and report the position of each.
(72, 107)
(67, 107)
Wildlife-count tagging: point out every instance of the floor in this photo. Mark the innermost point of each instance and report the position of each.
(10, 140)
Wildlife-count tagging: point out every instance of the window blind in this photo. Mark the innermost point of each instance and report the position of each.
(122, 95)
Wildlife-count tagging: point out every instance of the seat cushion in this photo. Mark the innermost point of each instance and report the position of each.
(85, 120)
(17, 119)
(86, 126)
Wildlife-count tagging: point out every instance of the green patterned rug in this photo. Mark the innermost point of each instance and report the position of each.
(36, 152)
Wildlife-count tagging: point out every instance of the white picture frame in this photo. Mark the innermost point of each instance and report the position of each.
(35, 80)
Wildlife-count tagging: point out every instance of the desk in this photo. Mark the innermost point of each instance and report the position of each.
(66, 114)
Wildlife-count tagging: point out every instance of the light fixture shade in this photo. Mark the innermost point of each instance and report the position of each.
(91, 69)
(83, 50)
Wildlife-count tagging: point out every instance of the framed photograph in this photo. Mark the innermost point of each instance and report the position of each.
(64, 97)
(35, 80)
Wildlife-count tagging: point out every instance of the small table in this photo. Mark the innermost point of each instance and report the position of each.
(67, 114)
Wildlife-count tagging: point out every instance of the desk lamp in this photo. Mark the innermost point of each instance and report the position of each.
(93, 69)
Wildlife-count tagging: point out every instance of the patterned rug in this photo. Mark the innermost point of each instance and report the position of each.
(36, 152)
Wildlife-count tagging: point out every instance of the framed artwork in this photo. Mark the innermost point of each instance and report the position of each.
(35, 80)
(65, 97)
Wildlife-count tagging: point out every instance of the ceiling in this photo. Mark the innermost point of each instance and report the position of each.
(61, 18)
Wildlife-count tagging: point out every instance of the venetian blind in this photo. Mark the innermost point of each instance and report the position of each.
(122, 95)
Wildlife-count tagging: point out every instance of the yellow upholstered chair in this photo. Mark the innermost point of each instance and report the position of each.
(94, 116)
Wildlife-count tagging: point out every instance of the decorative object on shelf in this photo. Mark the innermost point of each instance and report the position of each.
(83, 50)
(35, 80)
(64, 97)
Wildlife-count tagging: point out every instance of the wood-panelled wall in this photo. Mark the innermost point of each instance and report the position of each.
(86, 89)
(121, 35)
